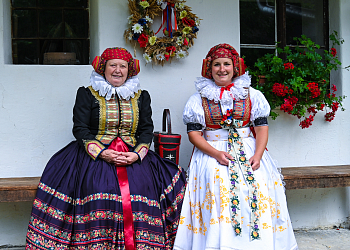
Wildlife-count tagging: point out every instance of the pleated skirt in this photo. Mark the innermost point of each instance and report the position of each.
(78, 204)
(205, 218)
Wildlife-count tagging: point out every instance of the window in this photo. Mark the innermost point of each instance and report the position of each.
(50, 31)
(262, 22)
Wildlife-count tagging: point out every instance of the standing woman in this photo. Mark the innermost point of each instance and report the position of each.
(235, 197)
(107, 190)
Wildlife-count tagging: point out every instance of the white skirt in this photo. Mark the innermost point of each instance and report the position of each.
(205, 218)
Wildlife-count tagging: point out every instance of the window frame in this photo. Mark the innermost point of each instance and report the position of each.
(280, 28)
(40, 39)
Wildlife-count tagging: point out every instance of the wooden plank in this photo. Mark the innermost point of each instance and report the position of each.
(316, 177)
(24, 189)
(18, 189)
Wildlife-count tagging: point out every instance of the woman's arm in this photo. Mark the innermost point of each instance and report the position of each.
(199, 142)
(83, 129)
(262, 133)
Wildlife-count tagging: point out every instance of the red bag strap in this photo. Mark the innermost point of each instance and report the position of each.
(166, 121)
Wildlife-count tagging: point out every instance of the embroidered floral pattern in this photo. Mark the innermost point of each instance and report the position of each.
(94, 197)
(85, 240)
(171, 186)
(237, 151)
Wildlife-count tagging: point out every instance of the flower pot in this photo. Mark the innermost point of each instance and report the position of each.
(262, 80)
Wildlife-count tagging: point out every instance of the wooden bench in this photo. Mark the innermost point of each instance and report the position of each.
(24, 189)
(18, 189)
(316, 177)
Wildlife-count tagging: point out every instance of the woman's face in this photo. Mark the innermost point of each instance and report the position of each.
(222, 71)
(116, 72)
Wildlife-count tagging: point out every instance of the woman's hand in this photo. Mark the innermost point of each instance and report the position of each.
(255, 162)
(118, 158)
(109, 155)
(126, 158)
(199, 142)
(223, 157)
(262, 134)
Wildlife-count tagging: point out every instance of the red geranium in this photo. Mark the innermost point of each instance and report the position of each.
(307, 122)
(288, 104)
(335, 106)
(143, 40)
(315, 91)
(329, 116)
(333, 52)
(287, 107)
(312, 110)
(293, 100)
(288, 66)
(334, 88)
(281, 90)
(298, 82)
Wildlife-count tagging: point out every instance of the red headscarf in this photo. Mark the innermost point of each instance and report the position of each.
(99, 62)
(223, 51)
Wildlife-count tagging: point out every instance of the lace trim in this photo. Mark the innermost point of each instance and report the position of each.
(107, 90)
(208, 89)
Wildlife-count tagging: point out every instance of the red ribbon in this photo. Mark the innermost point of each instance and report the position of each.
(227, 88)
(167, 12)
(129, 237)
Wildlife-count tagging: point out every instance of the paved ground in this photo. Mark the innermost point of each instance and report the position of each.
(336, 239)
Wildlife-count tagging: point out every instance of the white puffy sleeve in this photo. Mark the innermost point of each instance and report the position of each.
(193, 114)
(260, 108)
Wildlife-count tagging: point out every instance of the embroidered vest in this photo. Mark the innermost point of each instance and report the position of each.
(118, 117)
(213, 113)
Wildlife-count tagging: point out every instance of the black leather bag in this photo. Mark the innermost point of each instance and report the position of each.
(166, 144)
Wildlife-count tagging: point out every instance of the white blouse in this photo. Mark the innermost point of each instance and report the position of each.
(194, 112)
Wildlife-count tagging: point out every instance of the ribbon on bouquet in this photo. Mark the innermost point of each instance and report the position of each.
(240, 162)
(168, 16)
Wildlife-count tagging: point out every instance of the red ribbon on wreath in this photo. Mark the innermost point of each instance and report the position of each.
(168, 16)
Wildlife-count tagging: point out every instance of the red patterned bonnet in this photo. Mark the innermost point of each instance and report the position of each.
(99, 63)
(223, 51)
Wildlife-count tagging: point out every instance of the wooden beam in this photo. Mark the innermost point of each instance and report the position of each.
(18, 189)
(316, 177)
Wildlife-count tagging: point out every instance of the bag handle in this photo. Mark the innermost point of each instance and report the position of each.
(166, 120)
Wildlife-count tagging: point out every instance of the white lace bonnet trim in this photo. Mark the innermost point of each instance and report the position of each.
(208, 89)
(107, 90)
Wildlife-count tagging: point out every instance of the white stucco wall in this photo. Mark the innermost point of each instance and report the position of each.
(36, 109)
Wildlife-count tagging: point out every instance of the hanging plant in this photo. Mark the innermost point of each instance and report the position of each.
(300, 85)
(179, 28)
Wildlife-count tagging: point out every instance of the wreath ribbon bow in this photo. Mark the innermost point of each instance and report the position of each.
(241, 164)
(168, 16)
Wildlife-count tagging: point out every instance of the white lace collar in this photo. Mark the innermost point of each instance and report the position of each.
(107, 90)
(208, 89)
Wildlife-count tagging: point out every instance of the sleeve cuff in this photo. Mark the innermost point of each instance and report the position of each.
(194, 127)
(142, 150)
(93, 148)
(260, 121)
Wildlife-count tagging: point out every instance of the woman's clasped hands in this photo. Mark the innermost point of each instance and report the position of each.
(118, 158)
